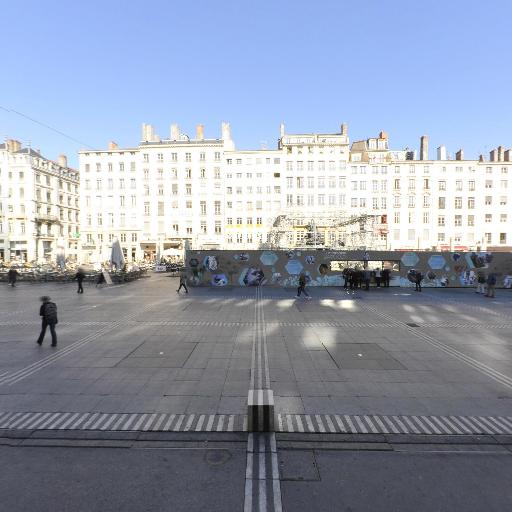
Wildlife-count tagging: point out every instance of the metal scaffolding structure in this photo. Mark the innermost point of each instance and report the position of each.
(333, 229)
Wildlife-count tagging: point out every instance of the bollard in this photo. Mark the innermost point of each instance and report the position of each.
(260, 410)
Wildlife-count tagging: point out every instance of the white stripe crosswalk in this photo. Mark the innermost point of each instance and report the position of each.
(299, 423)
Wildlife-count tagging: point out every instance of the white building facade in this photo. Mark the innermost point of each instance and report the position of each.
(312, 190)
(39, 206)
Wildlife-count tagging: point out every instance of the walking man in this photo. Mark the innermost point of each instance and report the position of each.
(48, 312)
(377, 277)
(12, 275)
(385, 277)
(366, 277)
(417, 281)
(80, 276)
(183, 282)
(481, 283)
(491, 285)
(302, 286)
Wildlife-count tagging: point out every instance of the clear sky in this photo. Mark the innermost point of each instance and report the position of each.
(97, 69)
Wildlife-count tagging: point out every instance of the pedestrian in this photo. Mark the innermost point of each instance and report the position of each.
(183, 282)
(385, 277)
(481, 279)
(417, 281)
(48, 313)
(302, 286)
(366, 278)
(80, 276)
(345, 273)
(12, 275)
(491, 285)
(378, 277)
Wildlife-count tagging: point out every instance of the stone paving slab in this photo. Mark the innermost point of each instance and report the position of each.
(143, 349)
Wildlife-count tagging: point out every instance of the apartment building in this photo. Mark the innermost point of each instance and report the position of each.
(312, 190)
(161, 195)
(39, 207)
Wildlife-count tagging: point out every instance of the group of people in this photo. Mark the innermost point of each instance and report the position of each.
(356, 278)
(486, 285)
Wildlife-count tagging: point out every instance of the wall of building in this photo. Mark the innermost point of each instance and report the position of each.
(324, 268)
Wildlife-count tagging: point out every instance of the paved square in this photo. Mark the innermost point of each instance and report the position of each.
(141, 353)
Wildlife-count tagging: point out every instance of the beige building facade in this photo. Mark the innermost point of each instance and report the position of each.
(39, 206)
(312, 190)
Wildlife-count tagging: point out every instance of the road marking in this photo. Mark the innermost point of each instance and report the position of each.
(303, 423)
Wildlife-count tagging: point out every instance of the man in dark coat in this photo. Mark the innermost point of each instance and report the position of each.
(12, 275)
(48, 313)
(80, 276)
(183, 282)
(417, 280)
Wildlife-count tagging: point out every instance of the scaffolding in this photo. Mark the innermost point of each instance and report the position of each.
(333, 229)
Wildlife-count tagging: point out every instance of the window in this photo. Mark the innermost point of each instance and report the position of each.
(503, 200)
(440, 220)
(412, 184)
(426, 201)
(458, 220)
(503, 217)
(458, 203)
(412, 201)
(188, 157)
(396, 185)
(471, 185)
(218, 228)
(396, 201)
(202, 206)
(488, 218)
(488, 238)
(488, 183)
(441, 203)
(146, 208)
(503, 238)
(471, 203)
(458, 185)
(488, 200)
(440, 237)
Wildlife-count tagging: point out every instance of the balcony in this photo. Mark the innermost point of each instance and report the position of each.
(52, 219)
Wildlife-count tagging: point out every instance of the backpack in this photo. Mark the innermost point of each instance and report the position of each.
(491, 280)
(50, 312)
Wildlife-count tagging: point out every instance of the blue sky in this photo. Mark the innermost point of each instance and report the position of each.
(96, 70)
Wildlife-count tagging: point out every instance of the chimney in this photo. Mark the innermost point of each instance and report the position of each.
(281, 130)
(383, 135)
(493, 155)
(344, 129)
(424, 147)
(459, 155)
(507, 157)
(112, 145)
(200, 131)
(63, 161)
(441, 153)
(501, 153)
(148, 133)
(226, 131)
(12, 145)
(175, 132)
(481, 158)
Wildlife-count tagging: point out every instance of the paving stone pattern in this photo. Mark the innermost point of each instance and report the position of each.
(142, 349)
